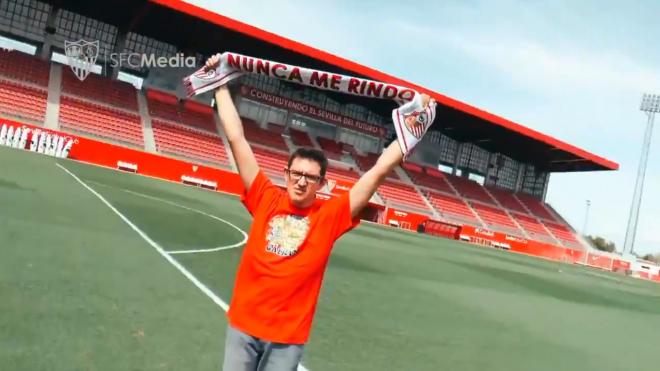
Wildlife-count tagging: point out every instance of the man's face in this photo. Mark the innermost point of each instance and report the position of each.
(303, 179)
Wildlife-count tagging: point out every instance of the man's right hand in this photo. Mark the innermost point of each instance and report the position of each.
(213, 62)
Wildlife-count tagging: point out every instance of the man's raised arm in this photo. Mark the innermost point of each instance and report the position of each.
(231, 124)
(418, 116)
(366, 186)
(233, 127)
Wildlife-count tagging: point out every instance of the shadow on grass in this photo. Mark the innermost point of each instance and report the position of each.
(566, 292)
(15, 186)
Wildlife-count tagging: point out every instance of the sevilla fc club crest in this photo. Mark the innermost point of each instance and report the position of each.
(416, 123)
(82, 56)
(205, 75)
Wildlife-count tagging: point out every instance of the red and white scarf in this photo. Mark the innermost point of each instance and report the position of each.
(232, 65)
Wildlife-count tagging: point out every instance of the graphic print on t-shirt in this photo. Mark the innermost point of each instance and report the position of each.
(286, 233)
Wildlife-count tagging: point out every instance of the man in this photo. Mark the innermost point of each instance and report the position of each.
(292, 234)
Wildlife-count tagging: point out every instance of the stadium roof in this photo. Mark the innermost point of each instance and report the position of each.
(178, 23)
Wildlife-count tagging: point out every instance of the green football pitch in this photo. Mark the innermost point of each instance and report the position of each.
(87, 282)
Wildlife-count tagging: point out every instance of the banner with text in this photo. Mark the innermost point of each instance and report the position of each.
(311, 111)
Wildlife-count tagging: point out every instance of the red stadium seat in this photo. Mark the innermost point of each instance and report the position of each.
(535, 206)
(266, 138)
(470, 189)
(563, 233)
(508, 200)
(533, 227)
(452, 207)
(188, 142)
(342, 174)
(100, 90)
(300, 138)
(163, 110)
(368, 161)
(23, 101)
(331, 148)
(496, 218)
(428, 178)
(402, 195)
(23, 67)
(271, 162)
(166, 107)
(199, 119)
(100, 121)
(276, 128)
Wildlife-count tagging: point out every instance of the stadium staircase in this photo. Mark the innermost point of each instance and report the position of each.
(54, 96)
(147, 126)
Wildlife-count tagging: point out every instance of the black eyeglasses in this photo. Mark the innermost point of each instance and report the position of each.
(296, 175)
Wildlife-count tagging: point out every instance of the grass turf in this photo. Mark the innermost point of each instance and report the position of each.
(80, 290)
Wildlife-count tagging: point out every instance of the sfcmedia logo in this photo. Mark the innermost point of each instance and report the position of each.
(82, 56)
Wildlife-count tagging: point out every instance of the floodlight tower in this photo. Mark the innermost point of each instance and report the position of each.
(586, 217)
(650, 105)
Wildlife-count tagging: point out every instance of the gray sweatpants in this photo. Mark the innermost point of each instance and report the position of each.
(248, 353)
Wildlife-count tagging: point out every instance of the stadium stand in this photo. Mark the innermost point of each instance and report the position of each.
(272, 162)
(366, 162)
(166, 107)
(444, 199)
(100, 90)
(533, 227)
(332, 149)
(507, 200)
(189, 142)
(470, 189)
(398, 193)
(107, 108)
(275, 128)
(453, 208)
(535, 206)
(198, 116)
(100, 121)
(257, 135)
(24, 68)
(342, 174)
(496, 218)
(300, 138)
(23, 86)
(563, 233)
(160, 107)
(22, 101)
(429, 178)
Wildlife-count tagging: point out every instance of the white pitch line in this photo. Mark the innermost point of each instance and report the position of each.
(172, 203)
(215, 298)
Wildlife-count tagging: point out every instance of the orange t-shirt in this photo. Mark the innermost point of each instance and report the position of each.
(281, 270)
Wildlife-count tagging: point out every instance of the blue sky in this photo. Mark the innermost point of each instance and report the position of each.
(573, 70)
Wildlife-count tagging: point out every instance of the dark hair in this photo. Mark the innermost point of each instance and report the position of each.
(310, 154)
